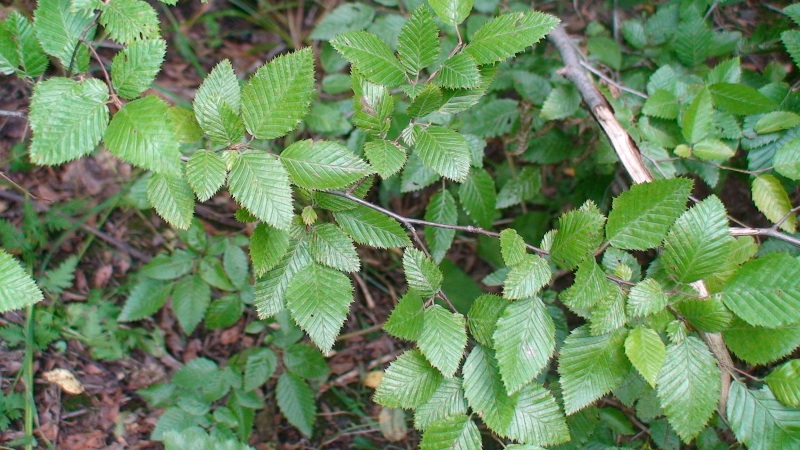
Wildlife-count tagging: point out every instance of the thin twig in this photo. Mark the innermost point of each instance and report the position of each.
(608, 80)
(17, 114)
(768, 232)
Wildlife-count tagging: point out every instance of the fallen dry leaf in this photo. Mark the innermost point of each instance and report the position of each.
(64, 379)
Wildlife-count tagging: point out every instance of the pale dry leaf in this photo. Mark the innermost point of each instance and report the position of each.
(64, 379)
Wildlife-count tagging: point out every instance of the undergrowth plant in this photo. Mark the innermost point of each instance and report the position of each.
(656, 278)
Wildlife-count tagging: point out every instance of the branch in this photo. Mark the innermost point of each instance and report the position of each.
(631, 159)
(17, 114)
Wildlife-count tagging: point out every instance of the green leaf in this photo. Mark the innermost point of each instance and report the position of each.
(605, 50)
(268, 245)
(271, 288)
(760, 345)
(190, 299)
(258, 369)
(443, 338)
(609, 314)
(140, 133)
(305, 361)
(646, 298)
(561, 102)
(346, 17)
(146, 297)
(172, 199)
(662, 104)
(525, 341)
(17, 288)
(319, 298)
(787, 160)
(785, 383)
(580, 233)
(259, 182)
(776, 121)
(68, 119)
(456, 431)
(334, 248)
(426, 102)
(708, 314)
(740, 99)
(771, 304)
(509, 34)
(698, 244)
(591, 366)
(409, 382)
(371, 56)
(523, 187)
(223, 312)
(373, 105)
(185, 125)
(483, 316)
(459, 72)
(296, 401)
(478, 197)
(206, 173)
(418, 43)
(443, 150)
(19, 48)
(791, 40)
(452, 12)
(448, 400)
(127, 21)
(369, 227)
(279, 95)
(689, 387)
(323, 164)
(406, 319)
(526, 278)
(60, 31)
(212, 272)
(646, 352)
(641, 217)
(512, 247)
(712, 150)
(234, 261)
(441, 209)
(793, 11)
(168, 267)
(134, 69)
(590, 288)
(697, 121)
(771, 199)
(387, 158)
(530, 416)
(422, 274)
(217, 104)
(760, 421)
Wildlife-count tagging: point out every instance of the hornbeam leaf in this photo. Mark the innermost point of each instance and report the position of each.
(707, 314)
(217, 104)
(697, 121)
(279, 95)
(409, 382)
(456, 431)
(190, 299)
(259, 182)
(785, 383)
(776, 121)
(770, 304)
(459, 72)
(323, 164)
(641, 217)
(448, 400)
(590, 288)
(141, 134)
(760, 345)
(268, 245)
(646, 352)
(373, 105)
(60, 31)
(127, 21)
(646, 298)
(172, 198)
(771, 198)
(478, 197)
(371, 56)
(740, 99)
(483, 316)
(426, 102)
(591, 366)
(296, 401)
(270, 297)
(369, 227)
(68, 118)
(334, 248)
(508, 34)
(418, 42)
(406, 319)
(205, 172)
(698, 244)
(422, 274)
(19, 48)
(387, 158)
(689, 387)
(530, 416)
(580, 233)
(526, 278)
(319, 299)
(512, 247)
(134, 69)
(346, 17)
(443, 339)
(17, 288)
(443, 150)
(524, 340)
(452, 12)
(146, 297)
(662, 104)
(441, 209)
(760, 421)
